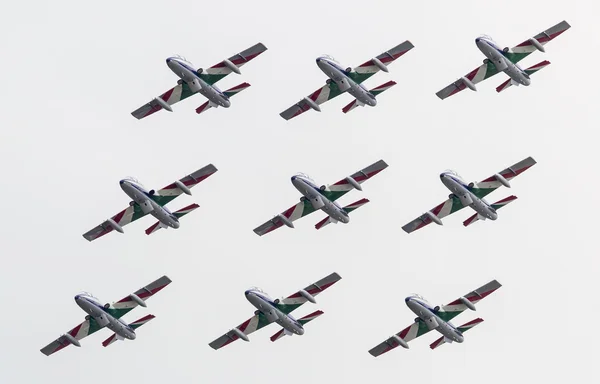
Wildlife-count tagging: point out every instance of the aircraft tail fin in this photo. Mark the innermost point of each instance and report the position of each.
(348, 208)
(135, 325)
(230, 92)
(497, 205)
(462, 329)
(282, 332)
(375, 91)
(180, 213)
(530, 71)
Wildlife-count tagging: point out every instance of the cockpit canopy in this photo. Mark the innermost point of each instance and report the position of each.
(330, 58)
(133, 179)
(453, 173)
(87, 294)
(180, 57)
(257, 289)
(487, 37)
(417, 296)
(305, 176)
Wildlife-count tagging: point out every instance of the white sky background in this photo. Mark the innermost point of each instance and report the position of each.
(71, 74)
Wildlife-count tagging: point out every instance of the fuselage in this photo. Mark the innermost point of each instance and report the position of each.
(314, 194)
(496, 55)
(336, 73)
(185, 71)
(92, 307)
(425, 312)
(461, 190)
(268, 307)
(142, 197)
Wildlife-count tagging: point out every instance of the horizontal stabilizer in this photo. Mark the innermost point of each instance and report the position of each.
(135, 325)
(237, 89)
(375, 91)
(497, 205)
(462, 329)
(348, 208)
(302, 321)
(180, 213)
(530, 71)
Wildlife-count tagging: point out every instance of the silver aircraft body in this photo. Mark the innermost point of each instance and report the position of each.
(311, 192)
(107, 316)
(277, 311)
(437, 318)
(471, 195)
(337, 74)
(143, 198)
(495, 54)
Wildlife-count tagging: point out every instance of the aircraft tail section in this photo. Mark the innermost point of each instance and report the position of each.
(135, 325)
(348, 208)
(462, 329)
(302, 321)
(530, 71)
(497, 205)
(180, 213)
(230, 92)
(375, 91)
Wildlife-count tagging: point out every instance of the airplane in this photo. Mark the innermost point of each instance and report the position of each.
(348, 80)
(323, 198)
(150, 202)
(109, 316)
(471, 195)
(438, 318)
(277, 311)
(192, 81)
(505, 60)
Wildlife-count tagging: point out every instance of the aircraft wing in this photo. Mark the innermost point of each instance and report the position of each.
(286, 217)
(220, 70)
(292, 302)
(79, 332)
(126, 304)
(450, 311)
(416, 329)
(172, 96)
(522, 50)
(126, 216)
(249, 326)
(485, 187)
(440, 211)
(171, 191)
(312, 101)
(369, 68)
(477, 75)
(340, 188)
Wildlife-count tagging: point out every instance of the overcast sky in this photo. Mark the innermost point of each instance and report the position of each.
(73, 71)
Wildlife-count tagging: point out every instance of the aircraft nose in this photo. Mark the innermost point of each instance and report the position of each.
(407, 299)
(168, 60)
(318, 60)
(442, 175)
(247, 292)
(77, 297)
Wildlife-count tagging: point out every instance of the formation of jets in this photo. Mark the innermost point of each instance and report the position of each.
(314, 197)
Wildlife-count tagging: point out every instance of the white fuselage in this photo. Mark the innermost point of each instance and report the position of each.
(496, 56)
(104, 319)
(143, 199)
(313, 194)
(344, 82)
(187, 73)
(468, 199)
(428, 315)
(269, 309)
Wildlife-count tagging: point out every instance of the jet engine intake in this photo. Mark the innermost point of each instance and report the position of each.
(317, 202)
(432, 323)
(146, 206)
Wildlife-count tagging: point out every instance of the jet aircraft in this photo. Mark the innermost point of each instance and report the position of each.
(192, 81)
(109, 316)
(438, 318)
(505, 60)
(471, 195)
(150, 202)
(348, 80)
(323, 198)
(277, 311)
